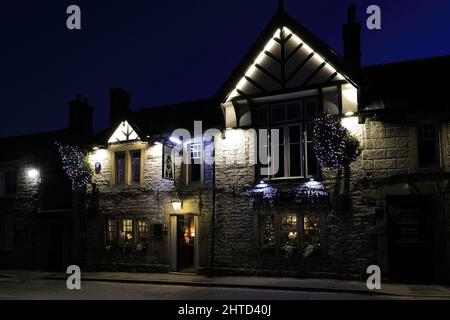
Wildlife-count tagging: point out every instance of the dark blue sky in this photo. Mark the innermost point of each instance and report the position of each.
(167, 51)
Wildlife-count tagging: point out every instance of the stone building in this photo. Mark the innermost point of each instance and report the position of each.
(171, 194)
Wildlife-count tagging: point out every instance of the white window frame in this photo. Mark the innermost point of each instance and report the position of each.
(188, 160)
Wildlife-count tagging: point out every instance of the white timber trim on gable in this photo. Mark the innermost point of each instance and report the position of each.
(285, 62)
(124, 133)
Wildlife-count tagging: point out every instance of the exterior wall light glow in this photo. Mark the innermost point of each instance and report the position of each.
(177, 204)
(100, 155)
(175, 140)
(32, 173)
(349, 114)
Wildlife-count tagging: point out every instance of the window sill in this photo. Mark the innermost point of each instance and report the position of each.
(127, 186)
(293, 179)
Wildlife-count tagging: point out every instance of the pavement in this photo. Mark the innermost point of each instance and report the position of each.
(244, 282)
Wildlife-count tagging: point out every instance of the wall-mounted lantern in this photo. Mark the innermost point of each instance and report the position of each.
(177, 204)
(33, 173)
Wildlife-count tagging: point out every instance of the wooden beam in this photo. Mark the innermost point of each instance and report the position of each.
(250, 98)
(299, 67)
(254, 83)
(270, 75)
(269, 54)
(288, 37)
(283, 60)
(241, 93)
(323, 64)
(294, 52)
(332, 77)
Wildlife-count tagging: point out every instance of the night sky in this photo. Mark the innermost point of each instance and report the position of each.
(168, 51)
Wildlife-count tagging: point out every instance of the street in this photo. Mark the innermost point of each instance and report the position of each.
(40, 289)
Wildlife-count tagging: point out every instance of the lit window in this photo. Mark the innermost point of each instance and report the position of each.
(267, 231)
(428, 146)
(126, 233)
(142, 234)
(311, 232)
(288, 231)
(285, 232)
(111, 233)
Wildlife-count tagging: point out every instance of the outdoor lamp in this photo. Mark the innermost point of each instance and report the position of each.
(177, 204)
(33, 173)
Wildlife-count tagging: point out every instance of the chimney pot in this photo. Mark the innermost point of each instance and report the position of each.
(119, 105)
(351, 35)
(80, 116)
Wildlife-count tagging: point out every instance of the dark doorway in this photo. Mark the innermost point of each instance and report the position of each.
(185, 243)
(410, 245)
(55, 247)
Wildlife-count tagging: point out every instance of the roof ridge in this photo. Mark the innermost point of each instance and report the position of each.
(407, 61)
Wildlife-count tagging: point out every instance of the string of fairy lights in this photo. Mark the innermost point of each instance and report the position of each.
(333, 144)
(75, 165)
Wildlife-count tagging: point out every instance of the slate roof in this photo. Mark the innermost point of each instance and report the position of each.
(412, 87)
(35, 147)
(162, 120)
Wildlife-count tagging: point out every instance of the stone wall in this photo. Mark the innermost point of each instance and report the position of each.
(350, 237)
(21, 210)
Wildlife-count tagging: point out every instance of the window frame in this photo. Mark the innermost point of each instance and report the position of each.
(187, 161)
(300, 239)
(128, 150)
(139, 233)
(112, 243)
(437, 144)
(303, 122)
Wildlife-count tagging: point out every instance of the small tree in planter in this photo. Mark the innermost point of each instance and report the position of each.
(335, 148)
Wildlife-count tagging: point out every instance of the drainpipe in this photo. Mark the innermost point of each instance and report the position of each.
(213, 218)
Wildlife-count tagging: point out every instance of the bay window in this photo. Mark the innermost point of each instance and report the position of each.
(284, 231)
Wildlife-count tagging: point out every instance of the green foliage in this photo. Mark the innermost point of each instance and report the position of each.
(334, 146)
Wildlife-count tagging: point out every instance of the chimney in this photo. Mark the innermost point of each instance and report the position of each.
(351, 35)
(80, 116)
(119, 105)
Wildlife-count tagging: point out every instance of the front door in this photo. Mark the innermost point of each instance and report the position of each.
(186, 243)
(409, 238)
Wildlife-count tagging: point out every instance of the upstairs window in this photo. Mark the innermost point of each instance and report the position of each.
(294, 123)
(135, 166)
(8, 181)
(128, 167)
(428, 146)
(194, 165)
(120, 158)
